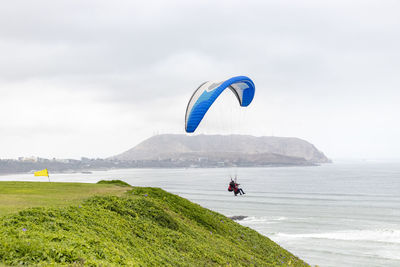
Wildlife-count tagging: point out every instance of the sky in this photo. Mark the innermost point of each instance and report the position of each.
(95, 78)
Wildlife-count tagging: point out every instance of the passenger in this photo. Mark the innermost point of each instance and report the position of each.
(238, 190)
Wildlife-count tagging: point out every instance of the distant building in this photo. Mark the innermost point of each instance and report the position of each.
(61, 160)
(28, 159)
(202, 159)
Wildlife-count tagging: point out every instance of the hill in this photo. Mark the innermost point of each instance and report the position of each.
(145, 226)
(241, 150)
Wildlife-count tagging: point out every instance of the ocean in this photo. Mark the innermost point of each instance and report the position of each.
(340, 214)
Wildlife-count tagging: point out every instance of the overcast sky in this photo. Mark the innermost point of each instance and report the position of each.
(94, 78)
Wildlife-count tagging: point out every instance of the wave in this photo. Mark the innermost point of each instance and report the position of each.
(388, 254)
(377, 235)
(264, 219)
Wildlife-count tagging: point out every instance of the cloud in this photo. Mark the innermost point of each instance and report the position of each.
(111, 74)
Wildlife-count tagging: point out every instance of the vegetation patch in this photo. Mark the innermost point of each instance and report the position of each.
(145, 226)
(114, 182)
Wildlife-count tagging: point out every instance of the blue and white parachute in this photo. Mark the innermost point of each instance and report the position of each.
(202, 99)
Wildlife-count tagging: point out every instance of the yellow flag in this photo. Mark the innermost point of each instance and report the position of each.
(44, 172)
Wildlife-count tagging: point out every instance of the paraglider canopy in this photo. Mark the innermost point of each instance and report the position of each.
(202, 99)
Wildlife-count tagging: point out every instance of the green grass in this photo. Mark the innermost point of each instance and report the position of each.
(143, 227)
(114, 182)
(15, 196)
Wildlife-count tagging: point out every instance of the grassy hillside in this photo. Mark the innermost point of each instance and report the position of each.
(145, 226)
(16, 196)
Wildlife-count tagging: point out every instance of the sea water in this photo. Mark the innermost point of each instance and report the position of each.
(341, 214)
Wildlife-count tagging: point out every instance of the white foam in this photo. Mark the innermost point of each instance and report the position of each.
(377, 235)
(392, 254)
(282, 218)
(263, 220)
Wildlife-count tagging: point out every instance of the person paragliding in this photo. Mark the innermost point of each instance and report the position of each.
(234, 186)
(204, 97)
(238, 190)
(231, 186)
